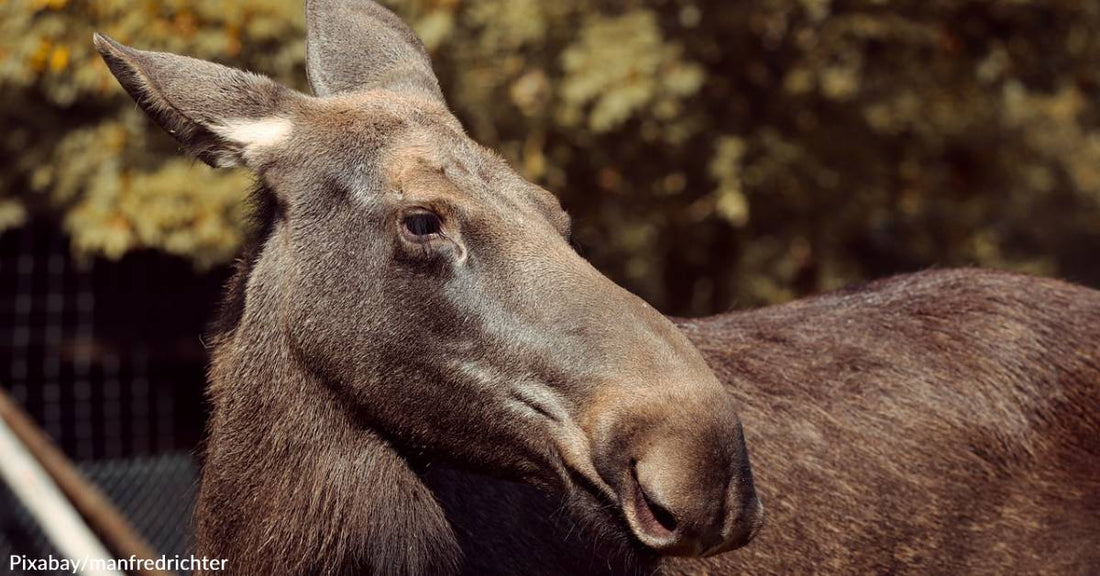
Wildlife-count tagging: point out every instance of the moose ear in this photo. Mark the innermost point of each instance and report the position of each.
(223, 116)
(356, 45)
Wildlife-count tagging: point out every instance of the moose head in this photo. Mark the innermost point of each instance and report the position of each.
(434, 291)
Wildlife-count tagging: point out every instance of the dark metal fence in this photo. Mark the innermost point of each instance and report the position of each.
(107, 358)
(155, 494)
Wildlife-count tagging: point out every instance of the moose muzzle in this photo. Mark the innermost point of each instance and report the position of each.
(679, 465)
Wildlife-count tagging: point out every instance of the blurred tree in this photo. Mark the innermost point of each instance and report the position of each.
(714, 153)
(75, 146)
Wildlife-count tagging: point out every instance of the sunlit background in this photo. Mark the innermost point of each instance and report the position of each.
(715, 155)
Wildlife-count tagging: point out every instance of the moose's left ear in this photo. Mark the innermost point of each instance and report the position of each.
(225, 117)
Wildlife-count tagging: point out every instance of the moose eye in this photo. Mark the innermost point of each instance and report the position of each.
(422, 224)
(422, 237)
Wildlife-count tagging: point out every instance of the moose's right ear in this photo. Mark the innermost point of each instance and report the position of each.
(225, 117)
(360, 45)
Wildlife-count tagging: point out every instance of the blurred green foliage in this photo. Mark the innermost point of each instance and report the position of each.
(715, 153)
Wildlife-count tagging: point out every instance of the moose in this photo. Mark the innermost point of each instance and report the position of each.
(414, 373)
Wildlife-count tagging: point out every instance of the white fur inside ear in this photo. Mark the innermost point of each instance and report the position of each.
(255, 135)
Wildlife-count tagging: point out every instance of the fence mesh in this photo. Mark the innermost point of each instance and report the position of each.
(107, 358)
(156, 494)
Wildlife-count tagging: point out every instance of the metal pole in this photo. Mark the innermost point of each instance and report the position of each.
(33, 467)
(58, 519)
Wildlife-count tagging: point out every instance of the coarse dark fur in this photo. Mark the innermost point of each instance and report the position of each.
(945, 422)
(938, 423)
(479, 400)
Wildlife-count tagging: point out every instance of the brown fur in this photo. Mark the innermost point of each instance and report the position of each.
(945, 422)
(478, 399)
(937, 423)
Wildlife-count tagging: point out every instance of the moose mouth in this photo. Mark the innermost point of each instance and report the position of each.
(631, 496)
(632, 513)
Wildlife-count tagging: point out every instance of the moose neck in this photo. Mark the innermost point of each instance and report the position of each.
(292, 483)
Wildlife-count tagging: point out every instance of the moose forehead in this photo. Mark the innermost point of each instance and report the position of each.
(419, 151)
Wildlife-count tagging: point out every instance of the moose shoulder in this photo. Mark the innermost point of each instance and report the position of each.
(939, 423)
(416, 374)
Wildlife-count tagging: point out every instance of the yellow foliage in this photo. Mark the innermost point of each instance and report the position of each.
(714, 153)
(181, 208)
(725, 167)
(620, 66)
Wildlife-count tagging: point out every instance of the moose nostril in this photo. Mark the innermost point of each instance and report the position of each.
(654, 517)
